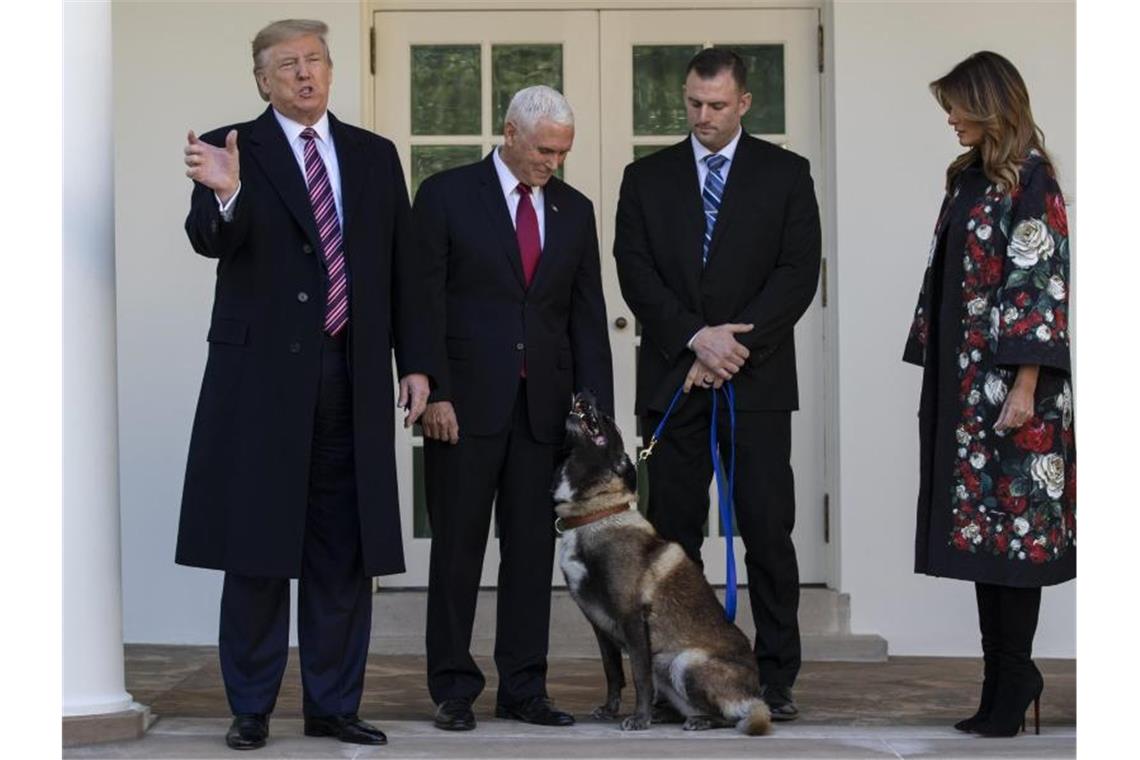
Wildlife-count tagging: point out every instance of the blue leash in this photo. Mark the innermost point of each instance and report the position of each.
(725, 483)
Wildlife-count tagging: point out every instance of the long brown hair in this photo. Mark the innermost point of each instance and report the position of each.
(988, 90)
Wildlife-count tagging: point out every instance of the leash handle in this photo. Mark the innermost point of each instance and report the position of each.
(725, 487)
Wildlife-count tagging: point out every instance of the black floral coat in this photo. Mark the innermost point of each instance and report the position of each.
(996, 507)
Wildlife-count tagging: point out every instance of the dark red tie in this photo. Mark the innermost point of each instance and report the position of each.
(526, 229)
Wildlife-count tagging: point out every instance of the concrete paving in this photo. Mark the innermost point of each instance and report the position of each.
(202, 738)
(901, 708)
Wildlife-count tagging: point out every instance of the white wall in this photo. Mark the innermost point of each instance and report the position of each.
(179, 66)
(892, 147)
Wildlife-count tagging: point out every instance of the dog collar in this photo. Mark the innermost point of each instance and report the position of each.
(563, 524)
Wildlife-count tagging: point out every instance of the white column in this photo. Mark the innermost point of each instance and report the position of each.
(93, 679)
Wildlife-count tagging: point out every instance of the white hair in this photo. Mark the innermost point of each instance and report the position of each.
(531, 105)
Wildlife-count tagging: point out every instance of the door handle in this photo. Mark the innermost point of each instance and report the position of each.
(620, 323)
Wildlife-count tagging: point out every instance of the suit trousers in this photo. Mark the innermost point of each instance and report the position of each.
(334, 600)
(513, 471)
(680, 472)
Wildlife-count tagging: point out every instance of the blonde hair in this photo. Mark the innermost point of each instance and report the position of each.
(281, 31)
(988, 90)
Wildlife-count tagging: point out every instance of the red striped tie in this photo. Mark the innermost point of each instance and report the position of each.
(328, 226)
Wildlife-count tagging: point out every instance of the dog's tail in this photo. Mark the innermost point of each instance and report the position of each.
(753, 716)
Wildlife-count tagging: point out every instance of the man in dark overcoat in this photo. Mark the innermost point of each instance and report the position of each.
(717, 244)
(514, 287)
(291, 471)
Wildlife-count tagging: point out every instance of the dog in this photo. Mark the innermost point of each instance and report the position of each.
(643, 595)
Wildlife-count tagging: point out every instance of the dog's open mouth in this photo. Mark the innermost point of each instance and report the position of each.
(588, 421)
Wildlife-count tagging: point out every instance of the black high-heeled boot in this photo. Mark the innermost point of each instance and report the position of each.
(988, 597)
(1019, 682)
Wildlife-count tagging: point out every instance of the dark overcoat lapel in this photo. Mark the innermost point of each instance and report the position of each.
(352, 166)
(271, 150)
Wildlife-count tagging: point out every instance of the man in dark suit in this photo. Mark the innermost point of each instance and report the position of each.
(291, 472)
(514, 280)
(718, 246)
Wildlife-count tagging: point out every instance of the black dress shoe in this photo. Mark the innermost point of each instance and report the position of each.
(780, 702)
(348, 728)
(536, 710)
(454, 715)
(248, 731)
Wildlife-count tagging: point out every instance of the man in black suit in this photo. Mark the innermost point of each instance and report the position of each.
(514, 282)
(718, 246)
(291, 471)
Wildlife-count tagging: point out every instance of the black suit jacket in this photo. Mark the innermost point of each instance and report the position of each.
(247, 474)
(763, 266)
(485, 319)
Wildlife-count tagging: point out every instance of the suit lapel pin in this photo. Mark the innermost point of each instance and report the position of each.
(553, 208)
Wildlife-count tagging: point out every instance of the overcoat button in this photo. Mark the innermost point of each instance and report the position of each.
(303, 297)
(519, 346)
(306, 248)
(294, 348)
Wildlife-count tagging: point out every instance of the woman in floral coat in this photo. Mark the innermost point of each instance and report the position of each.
(997, 496)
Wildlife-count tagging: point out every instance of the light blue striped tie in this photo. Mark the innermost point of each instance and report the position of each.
(710, 196)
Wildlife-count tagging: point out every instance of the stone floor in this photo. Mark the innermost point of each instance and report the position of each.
(901, 708)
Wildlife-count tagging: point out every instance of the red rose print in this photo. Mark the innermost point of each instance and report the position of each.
(960, 541)
(1035, 435)
(1055, 215)
(1002, 542)
(976, 339)
(1021, 299)
(991, 271)
(1037, 553)
(977, 253)
(1059, 319)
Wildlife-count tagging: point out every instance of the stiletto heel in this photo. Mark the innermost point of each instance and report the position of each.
(1011, 703)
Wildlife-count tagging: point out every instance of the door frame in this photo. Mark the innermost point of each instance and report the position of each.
(824, 177)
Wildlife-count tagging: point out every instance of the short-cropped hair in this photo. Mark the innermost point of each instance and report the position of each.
(531, 105)
(711, 61)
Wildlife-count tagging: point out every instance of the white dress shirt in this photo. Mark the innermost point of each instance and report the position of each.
(700, 151)
(511, 191)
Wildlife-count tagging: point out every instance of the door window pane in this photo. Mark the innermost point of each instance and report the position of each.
(658, 76)
(446, 85)
(514, 67)
(765, 66)
(429, 159)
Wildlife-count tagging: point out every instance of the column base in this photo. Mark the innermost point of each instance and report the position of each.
(125, 725)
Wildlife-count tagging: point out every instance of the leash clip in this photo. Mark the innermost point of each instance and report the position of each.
(648, 450)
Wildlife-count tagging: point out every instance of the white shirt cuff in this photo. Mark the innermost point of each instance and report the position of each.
(227, 209)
